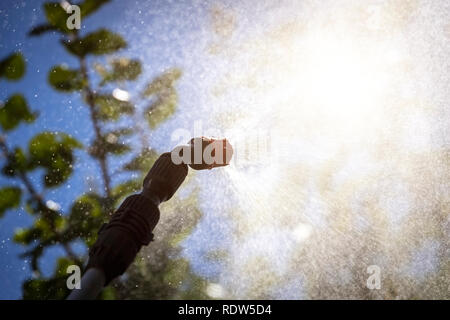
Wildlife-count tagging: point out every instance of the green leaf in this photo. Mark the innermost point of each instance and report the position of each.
(12, 67)
(26, 236)
(163, 82)
(126, 188)
(86, 216)
(160, 110)
(9, 198)
(110, 143)
(61, 267)
(15, 164)
(165, 103)
(14, 111)
(143, 162)
(109, 108)
(122, 69)
(90, 6)
(41, 230)
(53, 151)
(45, 289)
(99, 42)
(63, 79)
(108, 293)
(54, 288)
(57, 16)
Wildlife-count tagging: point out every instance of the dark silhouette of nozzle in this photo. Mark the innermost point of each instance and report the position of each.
(203, 153)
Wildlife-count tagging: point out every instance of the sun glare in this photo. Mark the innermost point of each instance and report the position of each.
(326, 112)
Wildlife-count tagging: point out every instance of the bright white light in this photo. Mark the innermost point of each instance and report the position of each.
(52, 205)
(111, 138)
(120, 94)
(215, 290)
(302, 232)
(352, 103)
(336, 82)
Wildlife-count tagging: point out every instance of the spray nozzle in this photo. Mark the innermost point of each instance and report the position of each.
(204, 153)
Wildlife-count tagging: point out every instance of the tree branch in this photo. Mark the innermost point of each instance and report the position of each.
(46, 212)
(90, 99)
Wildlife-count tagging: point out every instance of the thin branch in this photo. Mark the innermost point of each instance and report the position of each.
(90, 99)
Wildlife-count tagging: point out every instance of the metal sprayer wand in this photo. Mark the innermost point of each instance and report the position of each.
(132, 224)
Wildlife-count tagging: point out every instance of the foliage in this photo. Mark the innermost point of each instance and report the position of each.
(109, 108)
(14, 111)
(63, 79)
(9, 198)
(121, 69)
(53, 154)
(98, 43)
(12, 67)
(165, 100)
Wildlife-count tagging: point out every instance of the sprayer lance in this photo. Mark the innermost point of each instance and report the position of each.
(131, 226)
(170, 170)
